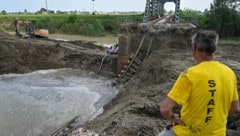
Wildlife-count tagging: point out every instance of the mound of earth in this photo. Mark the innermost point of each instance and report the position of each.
(135, 110)
(22, 55)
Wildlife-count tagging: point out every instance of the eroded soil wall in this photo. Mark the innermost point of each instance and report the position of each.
(20, 55)
(135, 110)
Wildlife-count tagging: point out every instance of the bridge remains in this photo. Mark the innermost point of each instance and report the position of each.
(155, 9)
(138, 41)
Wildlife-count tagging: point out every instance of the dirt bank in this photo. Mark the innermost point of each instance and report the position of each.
(135, 110)
(21, 55)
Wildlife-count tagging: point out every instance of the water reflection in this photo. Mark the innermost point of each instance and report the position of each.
(37, 103)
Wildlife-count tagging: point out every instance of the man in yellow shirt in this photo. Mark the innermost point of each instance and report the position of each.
(207, 93)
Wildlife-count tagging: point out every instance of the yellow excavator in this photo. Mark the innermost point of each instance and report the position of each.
(29, 29)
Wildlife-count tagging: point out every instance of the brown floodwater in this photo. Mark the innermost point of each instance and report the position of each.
(38, 103)
(104, 40)
(109, 39)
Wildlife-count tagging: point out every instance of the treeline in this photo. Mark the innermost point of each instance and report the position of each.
(223, 17)
(89, 25)
(45, 11)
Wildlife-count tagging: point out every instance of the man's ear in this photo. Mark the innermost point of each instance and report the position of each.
(194, 49)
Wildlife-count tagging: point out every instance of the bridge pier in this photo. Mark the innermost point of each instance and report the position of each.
(137, 41)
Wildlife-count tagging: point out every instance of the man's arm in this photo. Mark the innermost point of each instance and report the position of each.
(234, 107)
(166, 107)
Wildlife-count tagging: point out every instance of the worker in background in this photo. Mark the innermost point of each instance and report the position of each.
(28, 26)
(16, 27)
(207, 93)
(112, 49)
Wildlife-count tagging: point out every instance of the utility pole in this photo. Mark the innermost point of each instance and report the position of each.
(46, 6)
(93, 7)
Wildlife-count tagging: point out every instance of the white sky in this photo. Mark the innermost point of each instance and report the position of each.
(99, 5)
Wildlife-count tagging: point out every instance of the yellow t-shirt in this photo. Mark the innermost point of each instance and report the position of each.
(205, 92)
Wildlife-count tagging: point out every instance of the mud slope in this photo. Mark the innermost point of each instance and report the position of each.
(21, 55)
(135, 110)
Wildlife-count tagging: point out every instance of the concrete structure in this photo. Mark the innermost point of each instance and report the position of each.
(155, 9)
(137, 41)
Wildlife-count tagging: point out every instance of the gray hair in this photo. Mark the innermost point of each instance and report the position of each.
(205, 41)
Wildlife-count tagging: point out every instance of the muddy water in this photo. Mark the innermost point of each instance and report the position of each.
(40, 102)
(105, 40)
(109, 39)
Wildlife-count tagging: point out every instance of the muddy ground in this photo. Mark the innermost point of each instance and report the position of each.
(135, 110)
(21, 55)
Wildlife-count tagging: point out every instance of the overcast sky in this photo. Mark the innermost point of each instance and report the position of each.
(99, 5)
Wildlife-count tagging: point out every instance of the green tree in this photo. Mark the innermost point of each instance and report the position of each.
(4, 12)
(98, 28)
(42, 10)
(51, 12)
(72, 18)
(223, 18)
(193, 16)
(61, 12)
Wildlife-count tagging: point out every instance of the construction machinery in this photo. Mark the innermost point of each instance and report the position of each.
(29, 29)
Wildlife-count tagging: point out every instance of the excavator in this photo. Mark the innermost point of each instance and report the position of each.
(29, 29)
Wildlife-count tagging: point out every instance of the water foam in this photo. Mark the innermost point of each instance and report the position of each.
(33, 102)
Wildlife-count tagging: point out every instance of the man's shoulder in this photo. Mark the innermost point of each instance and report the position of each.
(226, 67)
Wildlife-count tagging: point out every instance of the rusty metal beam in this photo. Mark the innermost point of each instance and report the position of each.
(155, 9)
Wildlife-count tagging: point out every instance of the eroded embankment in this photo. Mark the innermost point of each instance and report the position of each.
(135, 110)
(19, 55)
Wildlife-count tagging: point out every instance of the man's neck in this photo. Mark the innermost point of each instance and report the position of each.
(202, 57)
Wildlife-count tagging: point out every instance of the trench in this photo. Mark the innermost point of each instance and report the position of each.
(40, 102)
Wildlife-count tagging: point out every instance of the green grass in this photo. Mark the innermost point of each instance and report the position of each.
(229, 42)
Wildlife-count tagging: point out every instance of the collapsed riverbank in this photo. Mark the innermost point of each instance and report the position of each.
(135, 109)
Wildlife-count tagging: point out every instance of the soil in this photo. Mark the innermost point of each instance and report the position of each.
(22, 55)
(135, 110)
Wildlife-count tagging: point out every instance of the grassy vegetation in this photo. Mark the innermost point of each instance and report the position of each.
(101, 25)
(229, 42)
(89, 25)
